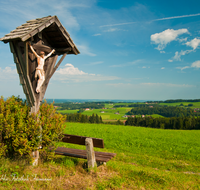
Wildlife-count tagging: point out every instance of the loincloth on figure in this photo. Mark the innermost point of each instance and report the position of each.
(40, 73)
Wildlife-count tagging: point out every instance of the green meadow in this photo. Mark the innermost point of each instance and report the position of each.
(106, 114)
(67, 111)
(109, 114)
(146, 159)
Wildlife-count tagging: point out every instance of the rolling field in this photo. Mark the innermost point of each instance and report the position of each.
(146, 159)
(109, 114)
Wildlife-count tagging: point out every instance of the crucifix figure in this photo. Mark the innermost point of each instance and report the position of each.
(40, 68)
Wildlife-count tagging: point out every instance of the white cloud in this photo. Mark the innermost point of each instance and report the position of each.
(111, 30)
(165, 37)
(8, 73)
(85, 50)
(144, 67)
(193, 43)
(166, 18)
(97, 34)
(72, 74)
(162, 67)
(70, 70)
(118, 24)
(182, 39)
(177, 56)
(174, 17)
(162, 51)
(196, 64)
(182, 68)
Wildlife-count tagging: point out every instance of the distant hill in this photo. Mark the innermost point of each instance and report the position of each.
(91, 100)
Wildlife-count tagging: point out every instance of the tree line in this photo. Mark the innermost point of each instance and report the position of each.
(74, 106)
(78, 117)
(166, 111)
(94, 118)
(184, 123)
(175, 101)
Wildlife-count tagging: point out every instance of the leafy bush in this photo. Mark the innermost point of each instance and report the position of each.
(52, 125)
(20, 131)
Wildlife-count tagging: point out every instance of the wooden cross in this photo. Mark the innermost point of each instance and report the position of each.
(45, 33)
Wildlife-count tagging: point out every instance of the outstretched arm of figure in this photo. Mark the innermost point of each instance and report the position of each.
(33, 50)
(50, 53)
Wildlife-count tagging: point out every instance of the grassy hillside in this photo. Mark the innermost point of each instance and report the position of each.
(146, 159)
(156, 142)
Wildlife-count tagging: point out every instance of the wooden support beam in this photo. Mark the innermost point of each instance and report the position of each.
(27, 79)
(51, 66)
(63, 49)
(90, 153)
(19, 70)
(57, 65)
(41, 47)
(26, 57)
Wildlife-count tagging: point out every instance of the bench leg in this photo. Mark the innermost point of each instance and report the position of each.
(101, 163)
(90, 153)
(35, 155)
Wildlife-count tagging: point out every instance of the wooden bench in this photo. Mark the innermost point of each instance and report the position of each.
(89, 154)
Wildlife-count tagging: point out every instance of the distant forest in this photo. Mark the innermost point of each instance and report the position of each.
(74, 106)
(183, 123)
(175, 101)
(78, 117)
(94, 118)
(166, 111)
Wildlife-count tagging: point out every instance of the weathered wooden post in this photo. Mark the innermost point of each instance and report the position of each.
(90, 153)
(44, 34)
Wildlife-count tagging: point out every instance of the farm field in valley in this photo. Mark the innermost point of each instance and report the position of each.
(106, 114)
(111, 113)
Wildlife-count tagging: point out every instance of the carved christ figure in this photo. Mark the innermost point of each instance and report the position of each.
(40, 68)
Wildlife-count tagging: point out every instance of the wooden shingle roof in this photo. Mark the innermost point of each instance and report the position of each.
(51, 29)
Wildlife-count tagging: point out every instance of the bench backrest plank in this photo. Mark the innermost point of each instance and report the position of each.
(74, 139)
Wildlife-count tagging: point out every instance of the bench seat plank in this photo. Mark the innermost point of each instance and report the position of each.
(100, 156)
(75, 139)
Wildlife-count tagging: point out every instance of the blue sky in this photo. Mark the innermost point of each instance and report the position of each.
(139, 50)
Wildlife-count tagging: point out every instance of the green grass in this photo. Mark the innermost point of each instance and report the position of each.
(67, 111)
(156, 142)
(146, 159)
(156, 115)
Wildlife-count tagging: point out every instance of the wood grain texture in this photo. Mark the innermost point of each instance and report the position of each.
(75, 139)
